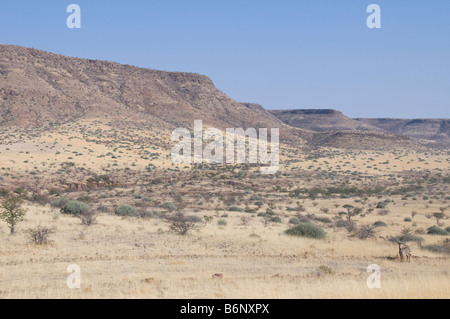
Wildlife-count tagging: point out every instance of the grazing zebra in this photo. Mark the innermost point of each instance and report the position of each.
(403, 251)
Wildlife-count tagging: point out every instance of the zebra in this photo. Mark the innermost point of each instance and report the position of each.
(403, 251)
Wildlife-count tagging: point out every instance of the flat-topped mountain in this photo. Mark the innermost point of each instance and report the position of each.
(319, 120)
(430, 132)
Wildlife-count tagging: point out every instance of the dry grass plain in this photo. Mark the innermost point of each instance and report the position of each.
(135, 257)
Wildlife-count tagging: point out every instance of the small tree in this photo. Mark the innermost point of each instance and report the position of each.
(39, 235)
(366, 231)
(182, 224)
(12, 212)
(438, 217)
(88, 218)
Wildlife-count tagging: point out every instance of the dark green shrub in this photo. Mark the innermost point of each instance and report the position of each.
(434, 230)
(194, 219)
(406, 238)
(168, 205)
(440, 249)
(447, 230)
(294, 221)
(323, 220)
(407, 219)
(126, 210)
(307, 230)
(4, 192)
(276, 219)
(380, 224)
(381, 205)
(235, 209)
(222, 222)
(75, 207)
(151, 214)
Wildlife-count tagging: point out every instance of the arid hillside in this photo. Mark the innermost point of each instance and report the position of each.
(38, 88)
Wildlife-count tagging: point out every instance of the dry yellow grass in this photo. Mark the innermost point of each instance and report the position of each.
(132, 258)
(136, 258)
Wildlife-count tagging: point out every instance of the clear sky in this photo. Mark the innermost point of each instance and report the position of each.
(281, 54)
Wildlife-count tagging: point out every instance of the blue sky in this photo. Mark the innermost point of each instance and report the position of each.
(281, 54)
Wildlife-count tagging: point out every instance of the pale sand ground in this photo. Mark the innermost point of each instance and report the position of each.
(132, 258)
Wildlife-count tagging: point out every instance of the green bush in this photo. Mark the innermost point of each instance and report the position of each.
(151, 214)
(235, 209)
(307, 230)
(323, 220)
(75, 207)
(380, 224)
(276, 219)
(440, 249)
(60, 202)
(4, 192)
(222, 222)
(126, 210)
(381, 205)
(434, 230)
(407, 238)
(447, 229)
(294, 221)
(407, 219)
(168, 205)
(194, 219)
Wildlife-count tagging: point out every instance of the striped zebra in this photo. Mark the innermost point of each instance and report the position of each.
(403, 251)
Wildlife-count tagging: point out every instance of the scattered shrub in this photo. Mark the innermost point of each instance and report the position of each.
(307, 230)
(168, 205)
(440, 249)
(276, 219)
(366, 231)
(381, 205)
(235, 209)
(434, 230)
(126, 210)
(324, 220)
(347, 224)
(406, 238)
(40, 235)
(88, 218)
(74, 207)
(60, 202)
(222, 222)
(380, 224)
(294, 221)
(151, 214)
(182, 224)
(194, 219)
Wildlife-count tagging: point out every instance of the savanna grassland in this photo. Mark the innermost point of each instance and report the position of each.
(364, 202)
